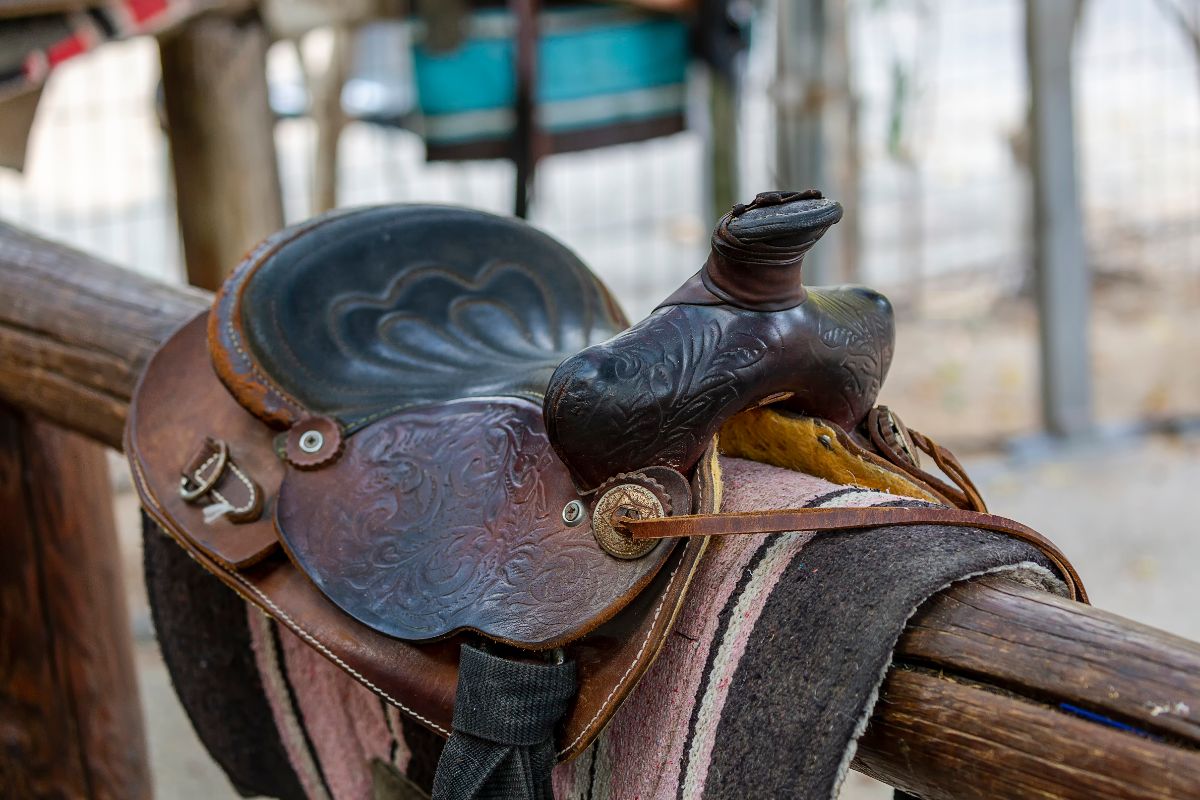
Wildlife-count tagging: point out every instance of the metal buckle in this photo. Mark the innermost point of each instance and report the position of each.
(206, 485)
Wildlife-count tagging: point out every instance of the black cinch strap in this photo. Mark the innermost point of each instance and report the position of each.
(505, 714)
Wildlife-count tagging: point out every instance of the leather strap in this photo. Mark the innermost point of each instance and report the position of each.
(966, 495)
(838, 520)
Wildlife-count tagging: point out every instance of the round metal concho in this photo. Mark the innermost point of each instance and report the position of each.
(634, 499)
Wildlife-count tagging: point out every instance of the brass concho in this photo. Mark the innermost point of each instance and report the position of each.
(633, 500)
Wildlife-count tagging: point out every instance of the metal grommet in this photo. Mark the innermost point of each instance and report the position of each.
(572, 513)
(314, 442)
(825, 441)
(311, 441)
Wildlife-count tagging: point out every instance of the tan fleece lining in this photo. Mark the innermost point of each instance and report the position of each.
(809, 445)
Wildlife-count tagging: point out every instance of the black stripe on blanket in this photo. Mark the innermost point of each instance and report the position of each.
(723, 626)
(807, 682)
(280, 663)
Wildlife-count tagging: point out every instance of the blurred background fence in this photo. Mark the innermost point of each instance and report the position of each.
(938, 210)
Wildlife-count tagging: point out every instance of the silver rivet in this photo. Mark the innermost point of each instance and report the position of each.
(311, 441)
(825, 441)
(573, 513)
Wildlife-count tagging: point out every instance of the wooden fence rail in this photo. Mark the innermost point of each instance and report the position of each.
(997, 690)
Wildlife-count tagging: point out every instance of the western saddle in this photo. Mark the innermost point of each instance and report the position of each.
(426, 440)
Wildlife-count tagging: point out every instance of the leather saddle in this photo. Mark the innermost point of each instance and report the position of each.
(404, 429)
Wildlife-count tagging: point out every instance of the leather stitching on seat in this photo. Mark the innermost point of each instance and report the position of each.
(283, 394)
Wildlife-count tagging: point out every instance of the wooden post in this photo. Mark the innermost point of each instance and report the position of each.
(70, 719)
(1060, 264)
(221, 131)
(325, 82)
(815, 124)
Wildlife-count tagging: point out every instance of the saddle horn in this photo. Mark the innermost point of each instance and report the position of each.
(743, 331)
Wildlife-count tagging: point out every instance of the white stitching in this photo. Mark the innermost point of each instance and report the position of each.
(285, 396)
(249, 488)
(320, 646)
(649, 635)
(198, 475)
(260, 254)
(292, 624)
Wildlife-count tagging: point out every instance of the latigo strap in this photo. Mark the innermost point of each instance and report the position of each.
(843, 520)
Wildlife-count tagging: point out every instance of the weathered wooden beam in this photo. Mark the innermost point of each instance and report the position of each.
(993, 682)
(221, 132)
(70, 718)
(992, 690)
(942, 738)
(75, 332)
(1093, 659)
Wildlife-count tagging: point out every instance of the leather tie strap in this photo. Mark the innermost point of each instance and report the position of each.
(837, 520)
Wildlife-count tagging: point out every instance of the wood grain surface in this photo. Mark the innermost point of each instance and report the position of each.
(70, 719)
(944, 739)
(1045, 647)
(221, 132)
(76, 332)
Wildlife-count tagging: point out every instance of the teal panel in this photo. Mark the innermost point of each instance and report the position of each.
(572, 64)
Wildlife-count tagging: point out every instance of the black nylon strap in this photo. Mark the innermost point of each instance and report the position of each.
(505, 714)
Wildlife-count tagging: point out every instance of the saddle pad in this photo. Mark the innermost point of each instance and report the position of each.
(737, 725)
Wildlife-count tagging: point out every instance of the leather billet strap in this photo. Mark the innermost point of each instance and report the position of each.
(838, 520)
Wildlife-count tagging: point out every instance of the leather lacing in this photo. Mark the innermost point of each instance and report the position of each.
(970, 513)
(881, 420)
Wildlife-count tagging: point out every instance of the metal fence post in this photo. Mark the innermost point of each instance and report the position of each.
(1060, 265)
(815, 124)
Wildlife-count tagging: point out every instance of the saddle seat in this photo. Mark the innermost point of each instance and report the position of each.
(407, 351)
